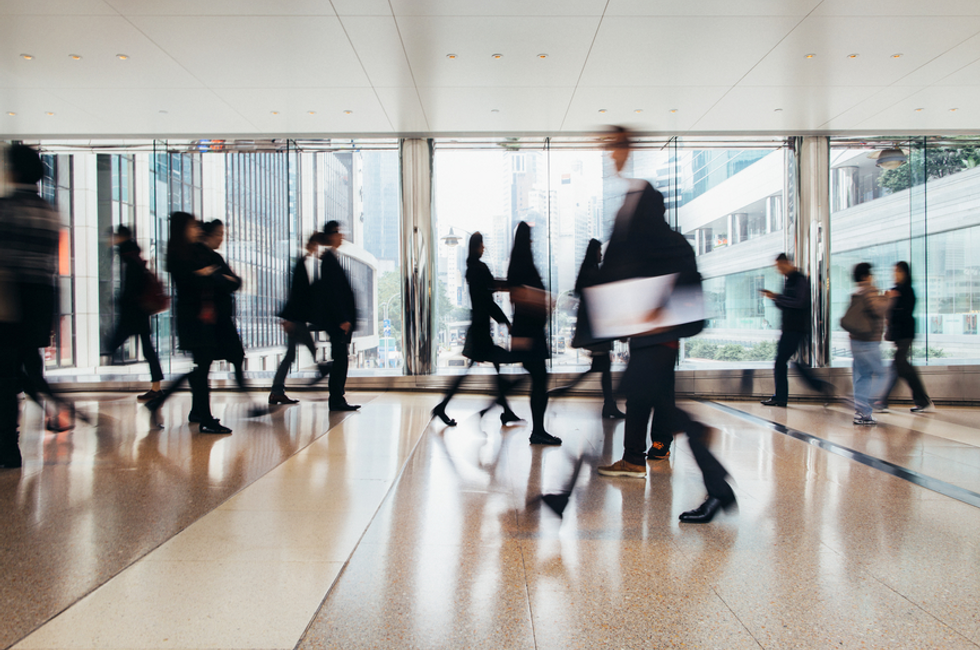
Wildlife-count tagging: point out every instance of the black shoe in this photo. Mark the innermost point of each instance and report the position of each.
(556, 502)
(544, 438)
(707, 510)
(659, 451)
(344, 406)
(149, 395)
(440, 412)
(280, 398)
(214, 426)
(772, 402)
(257, 411)
(612, 412)
(509, 417)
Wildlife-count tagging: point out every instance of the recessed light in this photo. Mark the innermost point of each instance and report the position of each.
(852, 56)
(896, 56)
(777, 110)
(542, 56)
(496, 56)
(75, 57)
(953, 110)
(311, 112)
(11, 113)
(162, 112)
(919, 110)
(49, 113)
(348, 112)
(638, 110)
(673, 110)
(809, 56)
(451, 56)
(27, 57)
(602, 110)
(494, 110)
(122, 57)
(275, 112)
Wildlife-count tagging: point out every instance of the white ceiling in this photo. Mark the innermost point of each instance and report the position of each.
(219, 68)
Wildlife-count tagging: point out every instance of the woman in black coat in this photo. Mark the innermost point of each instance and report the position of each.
(901, 331)
(479, 344)
(228, 344)
(601, 363)
(529, 345)
(193, 272)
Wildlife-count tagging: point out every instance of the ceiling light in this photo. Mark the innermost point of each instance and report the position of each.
(496, 56)
(11, 113)
(852, 56)
(49, 113)
(122, 57)
(451, 56)
(639, 110)
(311, 112)
(542, 56)
(673, 110)
(919, 110)
(809, 56)
(275, 112)
(777, 110)
(348, 112)
(75, 57)
(889, 158)
(602, 110)
(494, 110)
(896, 56)
(26, 57)
(953, 110)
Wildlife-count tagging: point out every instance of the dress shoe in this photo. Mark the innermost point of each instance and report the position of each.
(344, 406)
(658, 451)
(509, 417)
(772, 402)
(623, 468)
(280, 398)
(148, 395)
(707, 510)
(544, 438)
(612, 412)
(440, 412)
(214, 426)
(556, 502)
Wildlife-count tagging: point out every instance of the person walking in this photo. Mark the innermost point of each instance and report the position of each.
(479, 346)
(295, 315)
(335, 311)
(644, 245)
(600, 352)
(133, 319)
(864, 321)
(794, 303)
(529, 345)
(29, 237)
(901, 332)
(196, 278)
(228, 343)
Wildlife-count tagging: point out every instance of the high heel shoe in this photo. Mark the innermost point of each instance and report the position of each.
(440, 412)
(707, 510)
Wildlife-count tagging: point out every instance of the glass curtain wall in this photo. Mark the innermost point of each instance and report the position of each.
(913, 200)
(57, 187)
(727, 198)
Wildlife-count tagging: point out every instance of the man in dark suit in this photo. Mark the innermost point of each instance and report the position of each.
(336, 313)
(295, 314)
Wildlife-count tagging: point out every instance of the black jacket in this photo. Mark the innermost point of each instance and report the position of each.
(297, 307)
(794, 303)
(479, 343)
(901, 322)
(333, 297)
(227, 342)
(644, 245)
(134, 272)
(528, 340)
(194, 302)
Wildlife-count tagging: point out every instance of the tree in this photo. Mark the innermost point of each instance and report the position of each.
(938, 162)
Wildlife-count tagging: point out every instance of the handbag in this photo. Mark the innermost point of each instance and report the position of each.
(153, 299)
(856, 321)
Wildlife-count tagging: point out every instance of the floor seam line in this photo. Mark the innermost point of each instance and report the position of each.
(527, 596)
(737, 618)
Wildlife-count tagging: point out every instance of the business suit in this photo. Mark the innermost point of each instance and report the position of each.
(334, 304)
(132, 319)
(296, 312)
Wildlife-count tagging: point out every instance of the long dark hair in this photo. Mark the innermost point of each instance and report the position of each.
(590, 266)
(178, 248)
(904, 268)
(521, 269)
(473, 256)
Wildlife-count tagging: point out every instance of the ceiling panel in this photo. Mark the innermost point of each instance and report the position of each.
(849, 119)
(497, 7)
(361, 7)
(803, 109)
(474, 40)
(452, 110)
(946, 68)
(874, 40)
(680, 51)
(711, 8)
(656, 103)
(294, 106)
(379, 47)
(253, 52)
(935, 116)
(51, 39)
(55, 7)
(223, 8)
(404, 109)
(31, 108)
(898, 8)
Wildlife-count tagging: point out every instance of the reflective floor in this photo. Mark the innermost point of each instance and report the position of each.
(379, 529)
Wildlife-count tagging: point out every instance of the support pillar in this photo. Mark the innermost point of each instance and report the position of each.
(418, 255)
(813, 240)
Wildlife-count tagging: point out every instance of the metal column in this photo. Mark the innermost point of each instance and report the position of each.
(813, 239)
(418, 256)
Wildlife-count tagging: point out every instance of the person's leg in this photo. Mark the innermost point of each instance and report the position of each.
(879, 377)
(200, 390)
(150, 353)
(301, 334)
(539, 392)
(10, 456)
(649, 384)
(664, 426)
(118, 337)
(338, 375)
(788, 342)
(806, 374)
(862, 376)
(279, 381)
(907, 371)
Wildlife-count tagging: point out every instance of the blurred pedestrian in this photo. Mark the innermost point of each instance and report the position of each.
(901, 331)
(864, 320)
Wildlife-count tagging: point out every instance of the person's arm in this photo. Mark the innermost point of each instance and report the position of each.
(794, 296)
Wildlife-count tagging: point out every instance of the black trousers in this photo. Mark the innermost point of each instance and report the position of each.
(602, 364)
(789, 343)
(538, 370)
(300, 335)
(648, 384)
(123, 332)
(10, 386)
(902, 369)
(339, 342)
(503, 386)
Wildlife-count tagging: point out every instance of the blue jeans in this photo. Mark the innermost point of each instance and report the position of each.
(868, 375)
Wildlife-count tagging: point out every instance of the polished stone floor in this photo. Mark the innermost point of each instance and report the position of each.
(380, 529)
